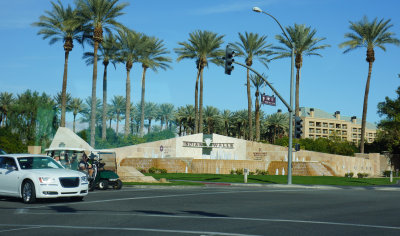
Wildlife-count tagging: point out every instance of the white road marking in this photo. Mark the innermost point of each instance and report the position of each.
(160, 196)
(10, 230)
(124, 229)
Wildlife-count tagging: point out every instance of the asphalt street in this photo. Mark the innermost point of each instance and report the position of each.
(211, 210)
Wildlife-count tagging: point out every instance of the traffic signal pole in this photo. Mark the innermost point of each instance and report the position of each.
(289, 107)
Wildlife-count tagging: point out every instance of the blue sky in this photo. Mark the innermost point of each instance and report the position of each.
(334, 82)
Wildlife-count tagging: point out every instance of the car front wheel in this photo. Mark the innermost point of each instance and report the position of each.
(28, 192)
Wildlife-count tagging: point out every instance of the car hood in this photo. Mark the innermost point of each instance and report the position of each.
(55, 172)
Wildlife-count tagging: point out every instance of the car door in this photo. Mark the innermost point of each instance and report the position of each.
(9, 176)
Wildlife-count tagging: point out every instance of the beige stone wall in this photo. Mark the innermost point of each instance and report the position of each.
(34, 149)
(177, 165)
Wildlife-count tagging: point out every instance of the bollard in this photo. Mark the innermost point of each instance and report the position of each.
(391, 176)
(245, 173)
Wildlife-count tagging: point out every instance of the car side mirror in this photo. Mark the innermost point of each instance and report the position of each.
(12, 168)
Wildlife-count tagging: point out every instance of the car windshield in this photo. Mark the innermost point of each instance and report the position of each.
(27, 163)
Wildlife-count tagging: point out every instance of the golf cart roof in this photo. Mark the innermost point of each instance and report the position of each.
(65, 149)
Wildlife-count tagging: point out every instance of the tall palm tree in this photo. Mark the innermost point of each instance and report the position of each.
(368, 35)
(189, 119)
(108, 52)
(305, 44)
(252, 47)
(203, 46)
(131, 44)
(6, 100)
(60, 24)
(76, 106)
(99, 15)
(258, 83)
(118, 107)
(153, 57)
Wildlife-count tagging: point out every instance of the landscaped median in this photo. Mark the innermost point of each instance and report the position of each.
(200, 179)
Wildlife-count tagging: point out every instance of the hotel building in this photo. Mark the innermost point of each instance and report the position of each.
(320, 124)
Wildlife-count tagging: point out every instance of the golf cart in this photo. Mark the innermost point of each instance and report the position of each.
(100, 177)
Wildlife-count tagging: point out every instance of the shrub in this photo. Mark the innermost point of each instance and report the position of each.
(386, 173)
(155, 170)
(251, 173)
(141, 170)
(362, 175)
(239, 171)
(349, 175)
(152, 170)
(233, 172)
(261, 172)
(162, 171)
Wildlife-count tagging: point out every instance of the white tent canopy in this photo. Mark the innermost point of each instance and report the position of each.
(67, 139)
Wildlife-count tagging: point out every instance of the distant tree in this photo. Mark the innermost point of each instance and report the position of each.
(76, 106)
(6, 100)
(118, 108)
(366, 34)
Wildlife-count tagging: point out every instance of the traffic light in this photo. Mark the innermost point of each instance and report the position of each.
(298, 127)
(229, 54)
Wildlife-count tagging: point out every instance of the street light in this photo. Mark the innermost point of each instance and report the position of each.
(257, 9)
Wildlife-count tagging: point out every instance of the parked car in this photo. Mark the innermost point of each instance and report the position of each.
(34, 176)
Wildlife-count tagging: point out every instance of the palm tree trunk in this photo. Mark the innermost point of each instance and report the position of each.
(249, 106)
(196, 104)
(64, 90)
(94, 100)
(142, 101)
(201, 101)
(257, 110)
(365, 106)
(116, 129)
(128, 98)
(149, 128)
(104, 115)
(73, 126)
(297, 109)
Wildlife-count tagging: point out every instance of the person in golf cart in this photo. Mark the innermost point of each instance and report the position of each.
(85, 165)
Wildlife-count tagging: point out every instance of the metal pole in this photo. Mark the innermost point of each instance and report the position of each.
(291, 122)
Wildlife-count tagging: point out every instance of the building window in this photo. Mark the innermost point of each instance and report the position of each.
(318, 124)
(311, 130)
(354, 130)
(337, 126)
(311, 123)
(325, 125)
(331, 125)
(344, 126)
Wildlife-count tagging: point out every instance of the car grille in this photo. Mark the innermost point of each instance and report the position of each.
(69, 182)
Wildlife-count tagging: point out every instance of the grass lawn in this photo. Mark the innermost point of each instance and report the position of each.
(273, 179)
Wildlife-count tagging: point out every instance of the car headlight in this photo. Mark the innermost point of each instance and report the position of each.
(84, 179)
(47, 180)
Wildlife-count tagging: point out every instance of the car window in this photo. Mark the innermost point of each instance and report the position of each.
(7, 162)
(27, 163)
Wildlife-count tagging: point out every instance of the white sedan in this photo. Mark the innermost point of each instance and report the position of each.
(35, 176)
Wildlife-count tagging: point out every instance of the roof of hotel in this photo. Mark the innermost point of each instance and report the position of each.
(318, 113)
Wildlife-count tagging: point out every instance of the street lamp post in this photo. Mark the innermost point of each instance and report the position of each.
(257, 9)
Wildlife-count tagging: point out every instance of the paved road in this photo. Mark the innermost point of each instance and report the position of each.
(212, 210)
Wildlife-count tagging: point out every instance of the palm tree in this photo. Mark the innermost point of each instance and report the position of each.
(87, 112)
(60, 24)
(368, 35)
(305, 43)
(189, 119)
(211, 116)
(153, 58)
(108, 52)
(226, 118)
(6, 100)
(117, 107)
(76, 106)
(258, 83)
(203, 46)
(252, 47)
(165, 113)
(131, 49)
(150, 111)
(278, 124)
(240, 119)
(98, 15)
